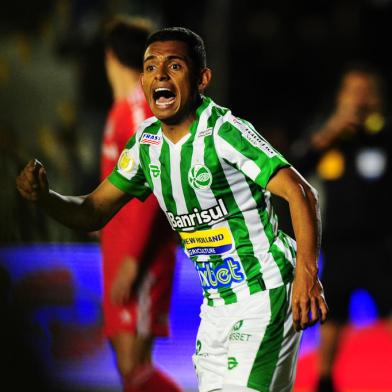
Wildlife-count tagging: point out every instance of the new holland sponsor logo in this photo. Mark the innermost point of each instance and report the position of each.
(149, 138)
(223, 275)
(198, 217)
(254, 138)
(207, 242)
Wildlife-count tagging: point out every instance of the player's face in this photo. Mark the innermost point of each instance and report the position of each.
(169, 81)
(359, 91)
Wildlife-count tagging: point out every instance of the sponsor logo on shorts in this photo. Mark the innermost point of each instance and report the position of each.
(199, 177)
(198, 346)
(198, 217)
(155, 170)
(207, 242)
(237, 335)
(150, 138)
(223, 275)
(232, 363)
(254, 138)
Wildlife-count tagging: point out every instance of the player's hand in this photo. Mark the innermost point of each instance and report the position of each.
(32, 182)
(121, 289)
(308, 301)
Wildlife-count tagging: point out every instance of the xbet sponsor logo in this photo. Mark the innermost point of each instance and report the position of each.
(237, 335)
(223, 275)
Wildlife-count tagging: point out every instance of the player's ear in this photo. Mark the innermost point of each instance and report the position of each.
(141, 79)
(204, 79)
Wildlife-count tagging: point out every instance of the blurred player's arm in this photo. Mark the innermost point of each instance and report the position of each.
(89, 212)
(308, 298)
(344, 121)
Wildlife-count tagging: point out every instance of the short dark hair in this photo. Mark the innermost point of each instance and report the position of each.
(360, 67)
(195, 43)
(126, 37)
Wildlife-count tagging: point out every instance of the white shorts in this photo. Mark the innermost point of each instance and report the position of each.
(250, 345)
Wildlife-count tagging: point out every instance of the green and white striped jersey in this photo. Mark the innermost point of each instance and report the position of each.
(211, 185)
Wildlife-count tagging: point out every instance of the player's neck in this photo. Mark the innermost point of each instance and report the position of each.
(178, 126)
(175, 132)
(125, 84)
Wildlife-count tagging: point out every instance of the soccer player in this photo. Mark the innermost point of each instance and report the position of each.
(212, 174)
(138, 265)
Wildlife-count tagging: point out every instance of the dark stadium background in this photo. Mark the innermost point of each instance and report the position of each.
(275, 64)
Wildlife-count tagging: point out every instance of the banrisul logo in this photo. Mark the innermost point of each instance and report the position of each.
(199, 177)
(198, 217)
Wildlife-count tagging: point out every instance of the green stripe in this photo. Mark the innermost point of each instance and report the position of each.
(267, 356)
(185, 165)
(134, 187)
(284, 265)
(268, 166)
(131, 142)
(166, 184)
(221, 189)
(144, 152)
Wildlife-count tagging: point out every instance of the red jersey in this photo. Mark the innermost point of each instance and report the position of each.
(138, 230)
(118, 235)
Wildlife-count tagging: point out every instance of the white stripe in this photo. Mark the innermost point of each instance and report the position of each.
(284, 374)
(155, 152)
(244, 198)
(175, 177)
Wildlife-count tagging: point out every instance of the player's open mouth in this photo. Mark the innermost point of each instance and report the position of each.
(163, 97)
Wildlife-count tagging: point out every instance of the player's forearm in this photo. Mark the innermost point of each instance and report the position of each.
(75, 212)
(306, 221)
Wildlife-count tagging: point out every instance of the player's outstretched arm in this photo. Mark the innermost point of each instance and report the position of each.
(309, 304)
(89, 212)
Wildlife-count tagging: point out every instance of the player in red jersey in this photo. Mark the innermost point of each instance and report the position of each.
(138, 253)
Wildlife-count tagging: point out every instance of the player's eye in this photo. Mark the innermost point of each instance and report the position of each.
(149, 67)
(175, 66)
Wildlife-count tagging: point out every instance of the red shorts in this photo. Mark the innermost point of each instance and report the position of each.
(139, 230)
(147, 312)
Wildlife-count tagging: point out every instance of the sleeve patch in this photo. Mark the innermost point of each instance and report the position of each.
(254, 138)
(126, 164)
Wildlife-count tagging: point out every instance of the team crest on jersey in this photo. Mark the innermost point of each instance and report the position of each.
(199, 177)
(150, 138)
(126, 161)
(155, 170)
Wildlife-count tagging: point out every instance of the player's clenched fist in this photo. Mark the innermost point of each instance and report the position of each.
(32, 182)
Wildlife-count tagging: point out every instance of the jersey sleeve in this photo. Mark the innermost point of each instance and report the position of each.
(128, 174)
(242, 146)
